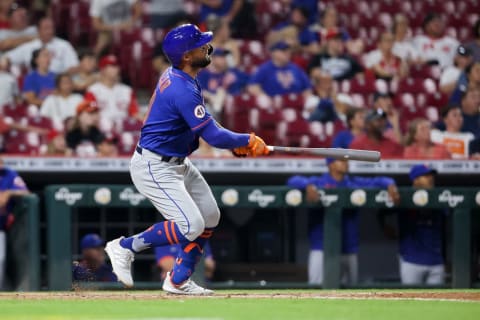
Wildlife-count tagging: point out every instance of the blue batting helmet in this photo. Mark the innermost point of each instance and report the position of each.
(182, 39)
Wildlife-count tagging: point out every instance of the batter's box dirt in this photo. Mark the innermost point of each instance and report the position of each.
(284, 294)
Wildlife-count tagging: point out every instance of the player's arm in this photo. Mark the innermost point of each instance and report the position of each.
(380, 182)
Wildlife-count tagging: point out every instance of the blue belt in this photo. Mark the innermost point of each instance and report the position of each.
(169, 159)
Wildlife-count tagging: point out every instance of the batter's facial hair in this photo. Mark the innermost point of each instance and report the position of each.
(201, 62)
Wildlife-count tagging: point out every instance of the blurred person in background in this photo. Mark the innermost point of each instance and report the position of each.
(218, 80)
(166, 255)
(328, 24)
(451, 75)
(470, 106)
(434, 47)
(320, 105)
(469, 79)
(456, 141)
(20, 30)
(9, 94)
(92, 266)
(160, 62)
(337, 177)
(116, 101)
(11, 186)
(374, 138)
(166, 13)
(403, 43)
(40, 82)
(107, 146)
(62, 103)
(85, 128)
(86, 74)
(64, 57)
(356, 126)
(279, 75)
(56, 144)
(421, 233)
(109, 16)
(419, 145)
(5, 7)
(334, 60)
(222, 39)
(474, 44)
(226, 9)
(384, 101)
(383, 61)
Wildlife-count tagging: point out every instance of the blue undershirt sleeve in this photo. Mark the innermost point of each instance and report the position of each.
(222, 138)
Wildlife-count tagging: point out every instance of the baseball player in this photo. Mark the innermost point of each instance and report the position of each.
(337, 177)
(421, 236)
(162, 172)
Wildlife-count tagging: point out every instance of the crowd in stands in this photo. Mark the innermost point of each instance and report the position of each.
(402, 77)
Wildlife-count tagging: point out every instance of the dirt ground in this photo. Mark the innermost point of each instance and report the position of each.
(132, 295)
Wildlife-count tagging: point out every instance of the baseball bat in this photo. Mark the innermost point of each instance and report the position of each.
(336, 153)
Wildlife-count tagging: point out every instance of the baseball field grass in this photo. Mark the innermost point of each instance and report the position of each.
(248, 304)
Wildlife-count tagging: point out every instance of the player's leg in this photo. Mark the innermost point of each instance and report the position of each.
(350, 268)
(3, 246)
(411, 273)
(315, 267)
(436, 275)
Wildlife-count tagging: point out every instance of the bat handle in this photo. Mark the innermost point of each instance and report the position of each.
(271, 148)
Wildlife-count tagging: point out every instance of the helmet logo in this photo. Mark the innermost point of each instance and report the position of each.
(199, 111)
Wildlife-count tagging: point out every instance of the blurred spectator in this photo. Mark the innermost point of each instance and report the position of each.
(9, 95)
(456, 141)
(222, 39)
(62, 103)
(469, 79)
(5, 7)
(311, 7)
(374, 139)
(19, 32)
(92, 266)
(474, 45)
(355, 118)
(421, 236)
(56, 144)
(470, 106)
(403, 45)
(419, 144)
(329, 24)
(337, 177)
(116, 100)
(433, 45)
(11, 186)
(384, 101)
(64, 56)
(85, 129)
(40, 82)
(384, 63)
(226, 9)
(218, 80)
(279, 75)
(166, 255)
(450, 75)
(110, 16)
(86, 74)
(320, 105)
(108, 146)
(334, 60)
(166, 13)
(160, 61)
(304, 37)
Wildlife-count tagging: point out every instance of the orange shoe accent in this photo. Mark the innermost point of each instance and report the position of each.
(206, 234)
(174, 233)
(191, 246)
(179, 260)
(167, 233)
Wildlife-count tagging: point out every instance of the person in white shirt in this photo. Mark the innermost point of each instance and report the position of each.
(110, 16)
(450, 75)
(456, 142)
(435, 47)
(62, 103)
(115, 100)
(403, 46)
(19, 32)
(64, 57)
(9, 94)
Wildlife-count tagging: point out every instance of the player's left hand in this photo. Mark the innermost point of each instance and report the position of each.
(256, 147)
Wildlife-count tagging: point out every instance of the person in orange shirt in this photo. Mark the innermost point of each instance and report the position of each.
(419, 144)
(374, 138)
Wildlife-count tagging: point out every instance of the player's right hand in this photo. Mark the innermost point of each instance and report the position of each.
(256, 146)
